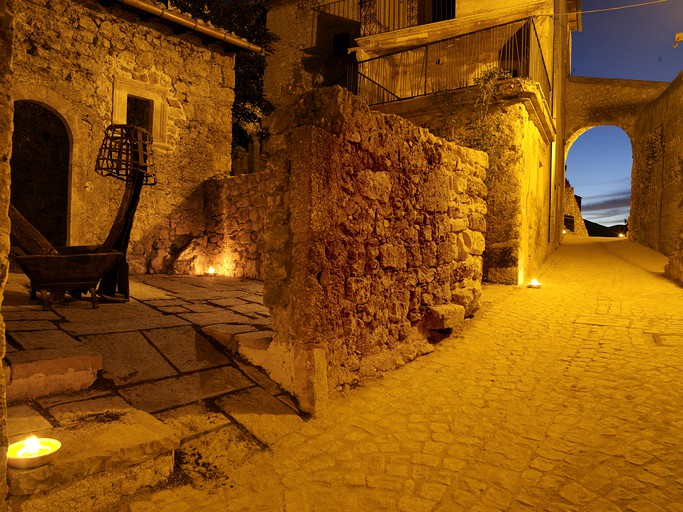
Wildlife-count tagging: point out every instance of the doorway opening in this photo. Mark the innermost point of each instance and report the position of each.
(41, 151)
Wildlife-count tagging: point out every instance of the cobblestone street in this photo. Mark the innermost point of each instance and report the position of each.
(567, 397)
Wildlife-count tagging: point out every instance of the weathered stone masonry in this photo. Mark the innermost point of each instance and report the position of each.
(367, 244)
(6, 111)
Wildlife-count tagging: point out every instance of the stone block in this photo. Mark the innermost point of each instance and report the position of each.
(257, 340)
(266, 417)
(36, 373)
(80, 328)
(225, 333)
(193, 420)
(129, 357)
(105, 448)
(31, 340)
(219, 317)
(23, 420)
(186, 348)
(186, 389)
(444, 316)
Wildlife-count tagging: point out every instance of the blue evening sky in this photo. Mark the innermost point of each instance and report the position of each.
(634, 43)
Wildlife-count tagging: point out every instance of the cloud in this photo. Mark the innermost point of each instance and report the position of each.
(617, 200)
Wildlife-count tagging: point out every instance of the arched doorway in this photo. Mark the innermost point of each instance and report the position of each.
(599, 163)
(41, 151)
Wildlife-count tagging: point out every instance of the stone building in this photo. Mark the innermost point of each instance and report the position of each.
(422, 60)
(68, 69)
(81, 65)
(573, 220)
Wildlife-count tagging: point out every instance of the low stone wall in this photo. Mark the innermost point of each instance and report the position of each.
(235, 222)
(375, 243)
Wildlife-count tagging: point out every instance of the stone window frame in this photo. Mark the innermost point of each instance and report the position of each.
(124, 87)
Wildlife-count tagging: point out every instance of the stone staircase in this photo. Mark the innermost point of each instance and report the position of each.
(108, 451)
(141, 395)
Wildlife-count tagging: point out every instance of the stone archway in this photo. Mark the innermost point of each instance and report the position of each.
(605, 101)
(40, 163)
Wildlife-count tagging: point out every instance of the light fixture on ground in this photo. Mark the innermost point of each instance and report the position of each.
(621, 235)
(32, 452)
(533, 283)
(211, 272)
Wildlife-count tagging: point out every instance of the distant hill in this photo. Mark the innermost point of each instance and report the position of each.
(595, 229)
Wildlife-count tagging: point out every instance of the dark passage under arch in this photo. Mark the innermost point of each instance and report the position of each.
(40, 169)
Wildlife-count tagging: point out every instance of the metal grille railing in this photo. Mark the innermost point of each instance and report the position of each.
(379, 16)
(452, 63)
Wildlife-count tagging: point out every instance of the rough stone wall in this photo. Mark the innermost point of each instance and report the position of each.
(236, 209)
(379, 228)
(68, 55)
(571, 209)
(656, 217)
(518, 202)
(6, 102)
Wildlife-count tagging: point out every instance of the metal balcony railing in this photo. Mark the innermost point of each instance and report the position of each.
(452, 63)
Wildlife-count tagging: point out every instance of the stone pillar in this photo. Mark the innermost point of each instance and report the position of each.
(6, 113)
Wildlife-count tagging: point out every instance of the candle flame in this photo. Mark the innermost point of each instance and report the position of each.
(31, 447)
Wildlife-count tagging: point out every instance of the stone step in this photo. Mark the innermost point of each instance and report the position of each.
(31, 374)
(253, 346)
(109, 451)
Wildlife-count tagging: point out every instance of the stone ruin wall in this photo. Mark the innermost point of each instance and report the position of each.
(373, 243)
(656, 218)
(518, 202)
(68, 54)
(571, 209)
(6, 111)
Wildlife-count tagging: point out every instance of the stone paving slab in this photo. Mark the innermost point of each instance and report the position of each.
(100, 409)
(186, 348)
(193, 420)
(173, 392)
(217, 317)
(158, 303)
(141, 291)
(23, 420)
(29, 340)
(29, 325)
(267, 418)
(225, 334)
(173, 310)
(251, 309)
(231, 299)
(29, 314)
(50, 401)
(128, 357)
(81, 328)
(96, 447)
(82, 311)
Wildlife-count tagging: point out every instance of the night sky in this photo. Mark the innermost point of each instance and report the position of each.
(634, 43)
